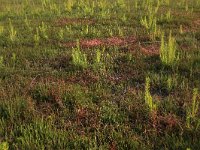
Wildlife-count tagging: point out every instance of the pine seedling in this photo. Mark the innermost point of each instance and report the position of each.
(98, 64)
(61, 34)
(87, 29)
(69, 5)
(186, 7)
(168, 16)
(155, 31)
(45, 4)
(43, 30)
(13, 59)
(167, 2)
(148, 98)
(1, 61)
(168, 54)
(55, 8)
(4, 146)
(136, 4)
(192, 111)
(148, 21)
(79, 58)
(120, 32)
(27, 23)
(37, 37)
(1, 30)
(121, 3)
(98, 57)
(181, 29)
(12, 31)
(195, 103)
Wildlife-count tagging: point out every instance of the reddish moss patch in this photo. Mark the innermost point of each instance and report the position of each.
(85, 78)
(91, 43)
(197, 22)
(87, 117)
(67, 21)
(111, 41)
(151, 49)
(185, 47)
(166, 122)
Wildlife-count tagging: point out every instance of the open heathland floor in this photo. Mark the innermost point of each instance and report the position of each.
(99, 74)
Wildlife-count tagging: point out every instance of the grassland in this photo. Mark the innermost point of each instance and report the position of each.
(99, 74)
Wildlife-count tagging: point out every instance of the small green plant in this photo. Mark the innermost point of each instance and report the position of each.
(186, 7)
(61, 34)
(193, 109)
(98, 57)
(154, 32)
(110, 32)
(27, 23)
(168, 54)
(169, 83)
(168, 15)
(69, 5)
(1, 61)
(181, 29)
(4, 146)
(44, 3)
(98, 64)
(1, 29)
(43, 29)
(86, 29)
(166, 2)
(120, 31)
(121, 4)
(13, 59)
(12, 32)
(78, 58)
(195, 103)
(124, 18)
(54, 8)
(37, 37)
(148, 98)
(150, 23)
(136, 4)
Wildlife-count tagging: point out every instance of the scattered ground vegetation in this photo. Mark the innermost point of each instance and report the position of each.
(99, 74)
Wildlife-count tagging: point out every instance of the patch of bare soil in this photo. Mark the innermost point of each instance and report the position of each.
(185, 47)
(195, 25)
(67, 21)
(150, 49)
(111, 41)
(187, 29)
(197, 22)
(91, 43)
